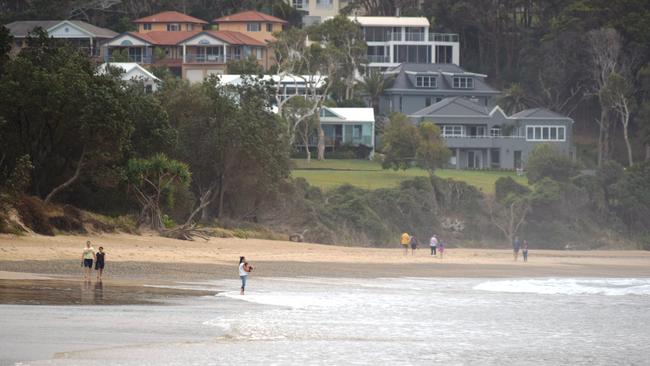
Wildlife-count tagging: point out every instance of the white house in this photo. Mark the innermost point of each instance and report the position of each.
(134, 72)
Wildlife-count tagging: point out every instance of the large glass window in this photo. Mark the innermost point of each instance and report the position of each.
(444, 54)
(413, 54)
(451, 130)
(173, 27)
(253, 27)
(545, 133)
(146, 26)
(377, 34)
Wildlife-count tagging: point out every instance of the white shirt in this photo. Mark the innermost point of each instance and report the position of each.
(241, 270)
(433, 242)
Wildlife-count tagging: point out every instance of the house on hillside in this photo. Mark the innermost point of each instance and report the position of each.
(79, 34)
(132, 72)
(396, 40)
(188, 48)
(417, 86)
(315, 11)
(483, 137)
(255, 24)
(289, 85)
(353, 127)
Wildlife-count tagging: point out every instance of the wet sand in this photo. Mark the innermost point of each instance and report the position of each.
(46, 270)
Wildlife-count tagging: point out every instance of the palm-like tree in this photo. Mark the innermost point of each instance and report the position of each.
(514, 99)
(373, 86)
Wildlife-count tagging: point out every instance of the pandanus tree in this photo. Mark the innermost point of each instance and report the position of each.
(152, 180)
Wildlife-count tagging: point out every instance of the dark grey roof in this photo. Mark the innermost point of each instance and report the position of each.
(405, 77)
(20, 29)
(538, 113)
(455, 106)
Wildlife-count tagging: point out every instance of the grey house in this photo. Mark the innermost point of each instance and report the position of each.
(482, 137)
(417, 86)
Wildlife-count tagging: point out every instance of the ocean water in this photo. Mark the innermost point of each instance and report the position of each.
(328, 321)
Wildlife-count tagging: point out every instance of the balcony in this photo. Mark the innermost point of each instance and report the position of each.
(378, 58)
(130, 58)
(204, 59)
(324, 4)
(443, 37)
(480, 141)
(414, 36)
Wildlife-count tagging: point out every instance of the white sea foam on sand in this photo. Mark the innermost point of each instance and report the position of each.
(570, 286)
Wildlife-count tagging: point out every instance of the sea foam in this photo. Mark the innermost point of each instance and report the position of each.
(552, 286)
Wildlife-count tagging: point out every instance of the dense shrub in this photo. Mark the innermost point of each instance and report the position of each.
(505, 186)
(546, 162)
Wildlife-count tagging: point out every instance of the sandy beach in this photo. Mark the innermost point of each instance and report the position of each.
(152, 258)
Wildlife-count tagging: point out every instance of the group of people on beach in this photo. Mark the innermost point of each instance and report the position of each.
(88, 257)
(436, 245)
(518, 245)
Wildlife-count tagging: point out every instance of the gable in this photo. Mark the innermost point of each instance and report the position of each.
(126, 40)
(204, 39)
(68, 30)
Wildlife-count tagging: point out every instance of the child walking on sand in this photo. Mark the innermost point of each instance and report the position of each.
(99, 263)
(87, 258)
(441, 249)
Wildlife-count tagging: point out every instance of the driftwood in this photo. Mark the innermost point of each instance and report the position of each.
(187, 232)
(298, 237)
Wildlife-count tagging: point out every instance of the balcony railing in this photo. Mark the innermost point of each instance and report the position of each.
(378, 58)
(137, 59)
(443, 37)
(415, 36)
(324, 5)
(481, 137)
(204, 59)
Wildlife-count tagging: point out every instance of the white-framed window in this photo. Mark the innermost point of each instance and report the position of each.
(425, 81)
(258, 53)
(452, 130)
(545, 133)
(253, 27)
(146, 26)
(495, 131)
(463, 82)
(173, 27)
(300, 4)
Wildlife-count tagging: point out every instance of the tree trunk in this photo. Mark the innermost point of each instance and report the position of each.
(305, 137)
(627, 144)
(647, 152)
(69, 181)
(321, 143)
(222, 191)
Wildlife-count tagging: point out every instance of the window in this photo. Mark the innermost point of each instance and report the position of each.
(443, 54)
(269, 27)
(425, 81)
(299, 4)
(545, 133)
(462, 82)
(356, 132)
(173, 27)
(258, 53)
(427, 101)
(400, 103)
(253, 27)
(146, 26)
(190, 27)
(450, 131)
(148, 89)
(19, 43)
(412, 54)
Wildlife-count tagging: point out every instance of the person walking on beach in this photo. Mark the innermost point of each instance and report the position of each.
(516, 245)
(441, 249)
(244, 270)
(433, 243)
(524, 250)
(99, 263)
(406, 239)
(414, 244)
(87, 258)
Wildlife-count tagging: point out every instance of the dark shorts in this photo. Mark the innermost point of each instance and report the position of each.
(99, 265)
(88, 263)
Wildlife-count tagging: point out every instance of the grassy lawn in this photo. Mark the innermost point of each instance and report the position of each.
(367, 174)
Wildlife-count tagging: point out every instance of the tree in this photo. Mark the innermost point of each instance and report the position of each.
(545, 161)
(514, 99)
(345, 43)
(605, 50)
(5, 46)
(373, 86)
(508, 216)
(618, 96)
(295, 110)
(399, 143)
(431, 152)
(630, 197)
(151, 180)
(245, 66)
(61, 113)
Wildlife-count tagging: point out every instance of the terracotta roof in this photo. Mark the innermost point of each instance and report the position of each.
(163, 38)
(249, 16)
(236, 38)
(170, 17)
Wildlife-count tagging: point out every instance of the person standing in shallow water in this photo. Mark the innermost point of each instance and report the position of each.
(87, 258)
(524, 250)
(244, 270)
(99, 263)
(406, 239)
(516, 245)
